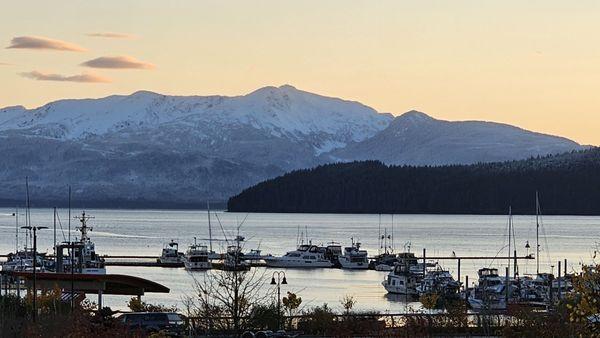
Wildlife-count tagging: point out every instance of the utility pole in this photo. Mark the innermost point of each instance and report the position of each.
(34, 229)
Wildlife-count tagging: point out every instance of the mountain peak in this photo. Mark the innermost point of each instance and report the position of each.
(145, 93)
(415, 115)
(412, 117)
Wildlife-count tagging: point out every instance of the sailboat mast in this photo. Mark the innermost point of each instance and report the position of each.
(379, 236)
(509, 235)
(392, 232)
(537, 232)
(69, 214)
(54, 223)
(27, 212)
(16, 229)
(209, 226)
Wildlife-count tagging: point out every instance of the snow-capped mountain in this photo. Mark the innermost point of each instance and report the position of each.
(281, 112)
(147, 148)
(415, 138)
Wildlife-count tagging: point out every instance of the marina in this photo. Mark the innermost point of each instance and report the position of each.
(114, 226)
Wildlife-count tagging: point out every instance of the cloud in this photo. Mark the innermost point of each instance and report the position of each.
(38, 42)
(85, 77)
(6, 64)
(118, 62)
(112, 35)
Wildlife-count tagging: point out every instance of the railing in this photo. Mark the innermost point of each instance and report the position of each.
(385, 324)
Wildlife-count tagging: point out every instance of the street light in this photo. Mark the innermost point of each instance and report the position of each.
(279, 281)
(35, 229)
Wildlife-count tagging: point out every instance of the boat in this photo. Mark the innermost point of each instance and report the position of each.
(234, 259)
(196, 257)
(86, 258)
(439, 281)
(305, 256)
(22, 260)
(490, 293)
(402, 281)
(170, 255)
(354, 257)
(254, 256)
(333, 251)
(384, 262)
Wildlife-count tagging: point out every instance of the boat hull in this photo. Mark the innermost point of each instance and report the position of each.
(197, 265)
(297, 263)
(353, 265)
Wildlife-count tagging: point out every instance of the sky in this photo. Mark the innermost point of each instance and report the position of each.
(534, 64)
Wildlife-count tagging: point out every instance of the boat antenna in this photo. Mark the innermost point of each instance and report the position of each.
(222, 229)
(209, 226)
(306, 234)
(537, 232)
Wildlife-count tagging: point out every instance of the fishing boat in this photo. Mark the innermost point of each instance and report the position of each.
(196, 257)
(170, 255)
(85, 258)
(305, 256)
(402, 281)
(354, 257)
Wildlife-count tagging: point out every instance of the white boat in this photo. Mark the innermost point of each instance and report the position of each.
(401, 281)
(196, 257)
(439, 281)
(305, 256)
(383, 267)
(170, 255)
(354, 258)
(490, 293)
(235, 259)
(91, 262)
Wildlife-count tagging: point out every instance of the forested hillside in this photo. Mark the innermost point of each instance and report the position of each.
(568, 184)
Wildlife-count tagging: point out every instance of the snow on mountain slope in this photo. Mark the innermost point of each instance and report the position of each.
(283, 112)
(418, 139)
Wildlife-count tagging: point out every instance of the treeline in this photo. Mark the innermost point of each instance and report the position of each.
(568, 184)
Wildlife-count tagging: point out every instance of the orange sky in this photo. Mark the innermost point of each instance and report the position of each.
(534, 64)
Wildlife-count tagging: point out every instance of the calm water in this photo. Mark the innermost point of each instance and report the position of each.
(143, 232)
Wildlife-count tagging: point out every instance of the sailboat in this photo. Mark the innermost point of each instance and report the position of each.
(211, 253)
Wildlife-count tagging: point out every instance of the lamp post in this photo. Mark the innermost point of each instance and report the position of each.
(35, 229)
(280, 280)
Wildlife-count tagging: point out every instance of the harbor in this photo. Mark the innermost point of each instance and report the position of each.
(364, 285)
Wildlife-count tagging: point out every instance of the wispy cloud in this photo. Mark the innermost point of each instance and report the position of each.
(118, 62)
(6, 64)
(38, 42)
(112, 35)
(85, 77)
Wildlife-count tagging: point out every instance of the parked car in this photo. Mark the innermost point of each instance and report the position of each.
(170, 323)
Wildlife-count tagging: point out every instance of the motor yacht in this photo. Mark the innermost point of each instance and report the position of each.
(170, 255)
(305, 256)
(490, 293)
(196, 257)
(439, 281)
(402, 281)
(354, 257)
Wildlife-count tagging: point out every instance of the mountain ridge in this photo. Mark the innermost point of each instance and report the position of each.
(181, 149)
